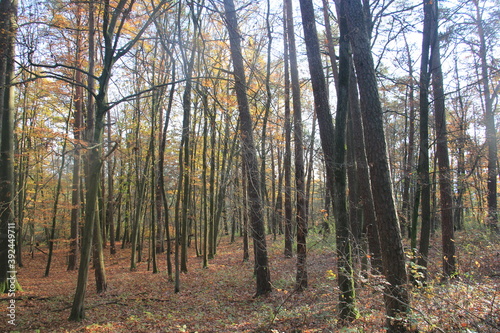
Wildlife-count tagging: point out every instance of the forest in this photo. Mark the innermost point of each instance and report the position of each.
(249, 166)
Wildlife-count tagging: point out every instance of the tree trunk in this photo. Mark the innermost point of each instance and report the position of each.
(347, 296)
(458, 216)
(161, 154)
(423, 191)
(397, 299)
(445, 190)
(325, 122)
(489, 120)
(249, 155)
(301, 205)
(92, 172)
(244, 211)
(409, 159)
(110, 204)
(369, 227)
(77, 129)
(56, 205)
(8, 230)
(287, 160)
(98, 255)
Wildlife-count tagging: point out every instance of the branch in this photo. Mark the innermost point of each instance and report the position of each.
(125, 49)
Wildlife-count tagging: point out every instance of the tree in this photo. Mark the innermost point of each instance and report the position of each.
(423, 190)
(301, 212)
(113, 20)
(489, 115)
(262, 272)
(449, 265)
(347, 297)
(8, 27)
(287, 159)
(397, 299)
(326, 130)
(77, 131)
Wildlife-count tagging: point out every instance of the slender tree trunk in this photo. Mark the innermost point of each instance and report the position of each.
(491, 135)
(56, 206)
(423, 186)
(287, 160)
(409, 159)
(330, 43)
(301, 205)
(249, 155)
(458, 215)
(98, 255)
(110, 204)
(77, 130)
(449, 259)
(267, 109)
(212, 245)
(204, 202)
(161, 154)
(244, 211)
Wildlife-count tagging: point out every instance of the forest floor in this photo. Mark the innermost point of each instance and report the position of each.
(220, 298)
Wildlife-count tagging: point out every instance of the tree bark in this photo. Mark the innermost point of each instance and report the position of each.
(347, 296)
(325, 122)
(287, 160)
(445, 190)
(8, 228)
(489, 119)
(397, 299)
(249, 155)
(76, 181)
(301, 204)
(423, 191)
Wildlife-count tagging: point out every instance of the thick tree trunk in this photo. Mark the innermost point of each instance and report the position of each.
(334, 154)
(301, 204)
(8, 229)
(347, 297)
(249, 155)
(369, 227)
(397, 298)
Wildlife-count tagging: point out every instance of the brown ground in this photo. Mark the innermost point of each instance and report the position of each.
(220, 298)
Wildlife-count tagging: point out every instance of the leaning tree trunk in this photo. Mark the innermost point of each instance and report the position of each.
(397, 299)
(249, 155)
